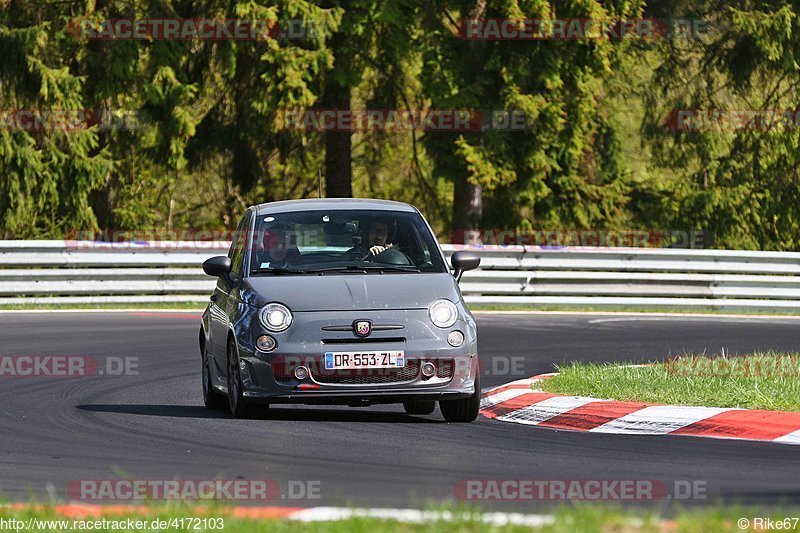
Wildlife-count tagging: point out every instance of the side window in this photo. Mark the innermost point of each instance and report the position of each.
(239, 246)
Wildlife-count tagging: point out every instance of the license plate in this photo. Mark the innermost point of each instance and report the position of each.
(355, 360)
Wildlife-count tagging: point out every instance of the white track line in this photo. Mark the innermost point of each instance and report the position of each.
(325, 514)
(658, 419)
(791, 438)
(546, 409)
(503, 396)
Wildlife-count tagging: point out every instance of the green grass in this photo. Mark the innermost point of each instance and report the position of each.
(760, 381)
(578, 518)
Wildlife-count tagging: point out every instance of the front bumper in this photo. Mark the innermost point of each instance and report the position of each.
(269, 377)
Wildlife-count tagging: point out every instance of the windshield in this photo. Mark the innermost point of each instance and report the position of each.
(347, 241)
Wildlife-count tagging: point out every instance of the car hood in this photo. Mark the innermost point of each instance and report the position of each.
(353, 292)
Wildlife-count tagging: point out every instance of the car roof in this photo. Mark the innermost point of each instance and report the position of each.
(312, 204)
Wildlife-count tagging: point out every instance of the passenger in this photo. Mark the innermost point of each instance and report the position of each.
(279, 247)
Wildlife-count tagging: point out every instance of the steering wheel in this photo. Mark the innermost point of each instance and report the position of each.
(391, 256)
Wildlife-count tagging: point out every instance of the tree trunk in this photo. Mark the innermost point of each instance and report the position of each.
(467, 201)
(467, 205)
(338, 144)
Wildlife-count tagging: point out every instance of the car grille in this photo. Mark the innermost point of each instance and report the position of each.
(445, 368)
(366, 340)
(372, 376)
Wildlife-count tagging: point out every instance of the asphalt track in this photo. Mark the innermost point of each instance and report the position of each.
(153, 426)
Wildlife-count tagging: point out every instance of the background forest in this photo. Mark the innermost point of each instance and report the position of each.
(598, 151)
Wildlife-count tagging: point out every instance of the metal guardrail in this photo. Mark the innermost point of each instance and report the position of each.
(70, 272)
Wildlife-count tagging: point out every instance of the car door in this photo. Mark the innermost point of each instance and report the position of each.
(226, 294)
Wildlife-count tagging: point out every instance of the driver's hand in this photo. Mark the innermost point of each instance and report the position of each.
(375, 250)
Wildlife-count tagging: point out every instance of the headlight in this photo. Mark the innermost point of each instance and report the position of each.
(276, 317)
(443, 313)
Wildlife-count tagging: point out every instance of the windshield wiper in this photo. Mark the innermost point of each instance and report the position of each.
(363, 269)
(391, 268)
(354, 269)
(268, 270)
(345, 269)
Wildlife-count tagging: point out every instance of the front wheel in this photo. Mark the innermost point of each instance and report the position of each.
(236, 402)
(464, 410)
(211, 398)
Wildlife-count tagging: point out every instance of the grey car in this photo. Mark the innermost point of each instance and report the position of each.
(339, 301)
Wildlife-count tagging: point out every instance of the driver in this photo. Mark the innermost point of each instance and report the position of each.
(376, 236)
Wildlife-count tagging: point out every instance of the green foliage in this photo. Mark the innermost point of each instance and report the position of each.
(565, 169)
(47, 174)
(741, 184)
(207, 135)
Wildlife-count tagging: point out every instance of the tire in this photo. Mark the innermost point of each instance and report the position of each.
(464, 410)
(211, 398)
(419, 407)
(237, 404)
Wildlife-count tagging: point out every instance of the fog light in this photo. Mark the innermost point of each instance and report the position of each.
(455, 339)
(428, 369)
(301, 373)
(266, 343)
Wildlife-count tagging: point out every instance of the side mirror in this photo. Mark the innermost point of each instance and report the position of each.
(463, 261)
(217, 266)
